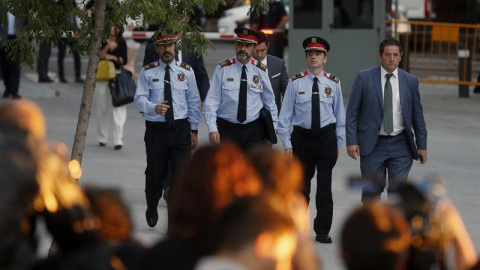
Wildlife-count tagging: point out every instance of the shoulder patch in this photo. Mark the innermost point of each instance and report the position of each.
(261, 66)
(225, 63)
(183, 65)
(151, 65)
(332, 77)
(299, 75)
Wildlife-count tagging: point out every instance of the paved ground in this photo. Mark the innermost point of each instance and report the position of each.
(453, 126)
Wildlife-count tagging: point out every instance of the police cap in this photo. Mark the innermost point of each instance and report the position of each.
(316, 44)
(246, 35)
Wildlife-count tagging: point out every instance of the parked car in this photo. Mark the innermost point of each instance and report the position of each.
(227, 22)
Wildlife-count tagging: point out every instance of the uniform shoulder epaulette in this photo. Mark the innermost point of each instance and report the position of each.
(260, 65)
(299, 75)
(332, 77)
(151, 65)
(183, 65)
(226, 63)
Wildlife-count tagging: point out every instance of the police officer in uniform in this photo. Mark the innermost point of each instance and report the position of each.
(313, 105)
(167, 95)
(240, 88)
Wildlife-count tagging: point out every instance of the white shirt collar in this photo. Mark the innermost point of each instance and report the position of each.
(384, 72)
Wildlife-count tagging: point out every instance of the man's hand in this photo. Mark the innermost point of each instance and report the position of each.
(214, 137)
(422, 156)
(194, 140)
(353, 151)
(288, 152)
(162, 107)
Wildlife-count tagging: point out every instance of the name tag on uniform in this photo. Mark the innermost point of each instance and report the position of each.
(229, 79)
(155, 80)
(301, 93)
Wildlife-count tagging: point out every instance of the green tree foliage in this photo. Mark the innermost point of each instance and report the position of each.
(49, 20)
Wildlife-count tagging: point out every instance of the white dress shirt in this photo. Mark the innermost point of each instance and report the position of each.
(398, 122)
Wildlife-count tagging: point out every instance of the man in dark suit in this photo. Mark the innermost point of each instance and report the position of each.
(277, 72)
(10, 67)
(191, 59)
(384, 112)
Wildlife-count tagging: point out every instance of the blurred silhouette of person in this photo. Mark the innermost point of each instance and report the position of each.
(252, 233)
(282, 177)
(214, 177)
(62, 47)
(18, 188)
(10, 67)
(115, 50)
(375, 236)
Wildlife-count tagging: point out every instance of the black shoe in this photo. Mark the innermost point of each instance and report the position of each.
(16, 97)
(326, 239)
(152, 217)
(476, 90)
(102, 144)
(117, 147)
(6, 94)
(79, 80)
(45, 80)
(63, 80)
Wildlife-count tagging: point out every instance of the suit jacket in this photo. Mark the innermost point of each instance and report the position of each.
(365, 111)
(277, 73)
(201, 75)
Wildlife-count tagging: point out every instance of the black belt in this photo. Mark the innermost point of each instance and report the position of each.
(323, 130)
(391, 136)
(166, 125)
(228, 124)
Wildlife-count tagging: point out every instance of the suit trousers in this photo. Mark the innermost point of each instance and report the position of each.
(44, 52)
(62, 48)
(10, 72)
(318, 152)
(166, 145)
(392, 154)
(244, 135)
(103, 100)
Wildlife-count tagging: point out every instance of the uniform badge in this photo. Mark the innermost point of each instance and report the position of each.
(328, 92)
(255, 79)
(301, 93)
(181, 77)
(155, 80)
(229, 79)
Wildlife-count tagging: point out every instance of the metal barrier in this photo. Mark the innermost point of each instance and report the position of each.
(440, 52)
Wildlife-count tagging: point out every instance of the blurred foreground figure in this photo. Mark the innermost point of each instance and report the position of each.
(282, 178)
(253, 234)
(215, 176)
(379, 236)
(18, 188)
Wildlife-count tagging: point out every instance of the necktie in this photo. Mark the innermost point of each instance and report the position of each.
(387, 106)
(315, 107)
(242, 99)
(168, 95)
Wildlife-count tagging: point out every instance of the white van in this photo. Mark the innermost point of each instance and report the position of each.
(418, 9)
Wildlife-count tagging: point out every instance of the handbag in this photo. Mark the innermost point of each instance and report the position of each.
(122, 88)
(267, 122)
(106, 70)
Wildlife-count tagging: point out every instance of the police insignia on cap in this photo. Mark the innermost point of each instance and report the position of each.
(255, 79)
(181, 77)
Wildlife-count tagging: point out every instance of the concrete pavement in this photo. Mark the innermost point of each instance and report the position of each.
(453, 143)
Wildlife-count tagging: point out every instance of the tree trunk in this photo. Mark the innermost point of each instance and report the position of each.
(88, 88)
